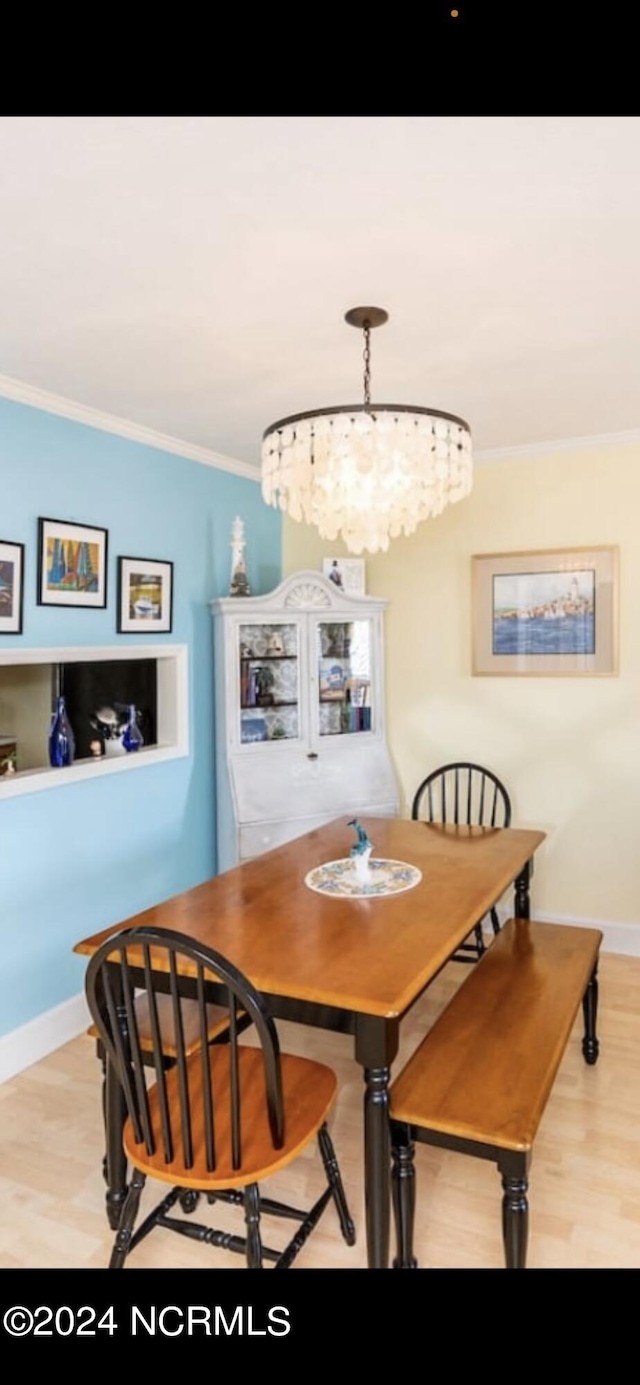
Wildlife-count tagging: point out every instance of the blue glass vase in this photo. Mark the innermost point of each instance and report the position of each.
(62, 742)
(132, 736)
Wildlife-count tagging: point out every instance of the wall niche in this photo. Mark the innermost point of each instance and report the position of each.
(154, 679)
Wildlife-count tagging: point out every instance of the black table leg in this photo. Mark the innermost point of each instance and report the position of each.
(522, 899)
(590, 1044)
(376, 1047)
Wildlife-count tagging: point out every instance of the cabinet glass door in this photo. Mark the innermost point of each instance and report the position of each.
(269, 682)
(344, 656)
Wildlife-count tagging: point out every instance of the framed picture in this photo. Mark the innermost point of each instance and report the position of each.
(72, 564)
(11, 587)
(145, 596)
(347, 573)
(549, 612)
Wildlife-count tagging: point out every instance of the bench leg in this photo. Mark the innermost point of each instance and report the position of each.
(590, 1045)
(515, 1220)
(403, 1193)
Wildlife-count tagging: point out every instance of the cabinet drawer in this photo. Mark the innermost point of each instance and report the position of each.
(263, 836)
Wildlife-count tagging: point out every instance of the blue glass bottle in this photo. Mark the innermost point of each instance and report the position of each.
(62, 742)
(132, 736)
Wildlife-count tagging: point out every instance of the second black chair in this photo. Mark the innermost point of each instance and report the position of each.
(463, 793)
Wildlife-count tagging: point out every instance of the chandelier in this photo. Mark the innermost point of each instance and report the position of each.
(367, 472)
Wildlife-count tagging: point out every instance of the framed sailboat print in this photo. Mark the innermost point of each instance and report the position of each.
(145, 596)
(72, 564)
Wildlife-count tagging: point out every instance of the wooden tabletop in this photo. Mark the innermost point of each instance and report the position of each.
(372, 956)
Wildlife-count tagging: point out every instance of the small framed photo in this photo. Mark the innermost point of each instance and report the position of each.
(549, 612)
(346, 573)
(72, 564)
(11, 587)
(145, 596)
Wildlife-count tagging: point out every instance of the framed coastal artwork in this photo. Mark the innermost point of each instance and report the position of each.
(72, 564)
(11, 587)
(145, 596)
(547, 612)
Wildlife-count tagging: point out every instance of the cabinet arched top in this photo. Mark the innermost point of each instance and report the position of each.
(301, 591)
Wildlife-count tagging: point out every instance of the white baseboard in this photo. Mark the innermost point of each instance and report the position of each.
(39, 1038)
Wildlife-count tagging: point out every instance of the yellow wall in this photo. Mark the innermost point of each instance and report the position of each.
(568, 748)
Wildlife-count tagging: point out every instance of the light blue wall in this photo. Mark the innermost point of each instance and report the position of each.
(79, 858)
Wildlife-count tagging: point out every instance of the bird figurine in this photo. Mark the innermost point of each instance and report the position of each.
(360, 852)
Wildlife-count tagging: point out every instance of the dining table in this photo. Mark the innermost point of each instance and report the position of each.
(338, 950)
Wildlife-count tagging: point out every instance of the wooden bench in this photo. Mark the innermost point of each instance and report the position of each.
(480, 1080)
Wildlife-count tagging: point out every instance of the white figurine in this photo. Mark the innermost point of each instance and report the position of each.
(360, 854)
(239, 585)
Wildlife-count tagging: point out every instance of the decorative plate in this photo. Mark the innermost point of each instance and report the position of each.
(339, 878)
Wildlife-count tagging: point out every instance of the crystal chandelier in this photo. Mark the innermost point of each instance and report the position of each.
(367, 472)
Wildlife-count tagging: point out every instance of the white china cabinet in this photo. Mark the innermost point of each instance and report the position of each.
(299, 709)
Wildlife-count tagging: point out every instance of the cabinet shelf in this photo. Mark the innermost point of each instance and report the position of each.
(265, 706)
(267, 658)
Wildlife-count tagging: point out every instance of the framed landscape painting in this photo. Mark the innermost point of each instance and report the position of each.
(11, 587)
(72, 564)
(553, 611)
(145, 596)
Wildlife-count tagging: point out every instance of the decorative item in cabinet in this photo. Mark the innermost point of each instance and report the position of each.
(132, 737)
(62, 742)
(306, 741)
(265, 679)
(8, 754)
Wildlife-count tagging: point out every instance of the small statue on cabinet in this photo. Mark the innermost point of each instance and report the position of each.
(239, 585)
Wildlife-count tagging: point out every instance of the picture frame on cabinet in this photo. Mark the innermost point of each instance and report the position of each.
(547, 612)
(72, 564)
(145, 596)
(11, 587)
(347, 574)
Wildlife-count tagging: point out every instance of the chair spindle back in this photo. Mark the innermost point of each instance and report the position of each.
(123, 968)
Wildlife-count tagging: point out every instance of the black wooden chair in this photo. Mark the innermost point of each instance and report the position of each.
(223, 1117)
(466, 794)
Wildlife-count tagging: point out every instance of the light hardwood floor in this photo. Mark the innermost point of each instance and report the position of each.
(585, 1177)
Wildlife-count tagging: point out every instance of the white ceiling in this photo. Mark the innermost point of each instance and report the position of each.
(191, 274)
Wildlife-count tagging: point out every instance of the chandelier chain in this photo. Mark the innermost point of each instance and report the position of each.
(367, 364)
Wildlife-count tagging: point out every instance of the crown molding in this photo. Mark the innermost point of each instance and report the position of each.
(538, 449)
(110, 423)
